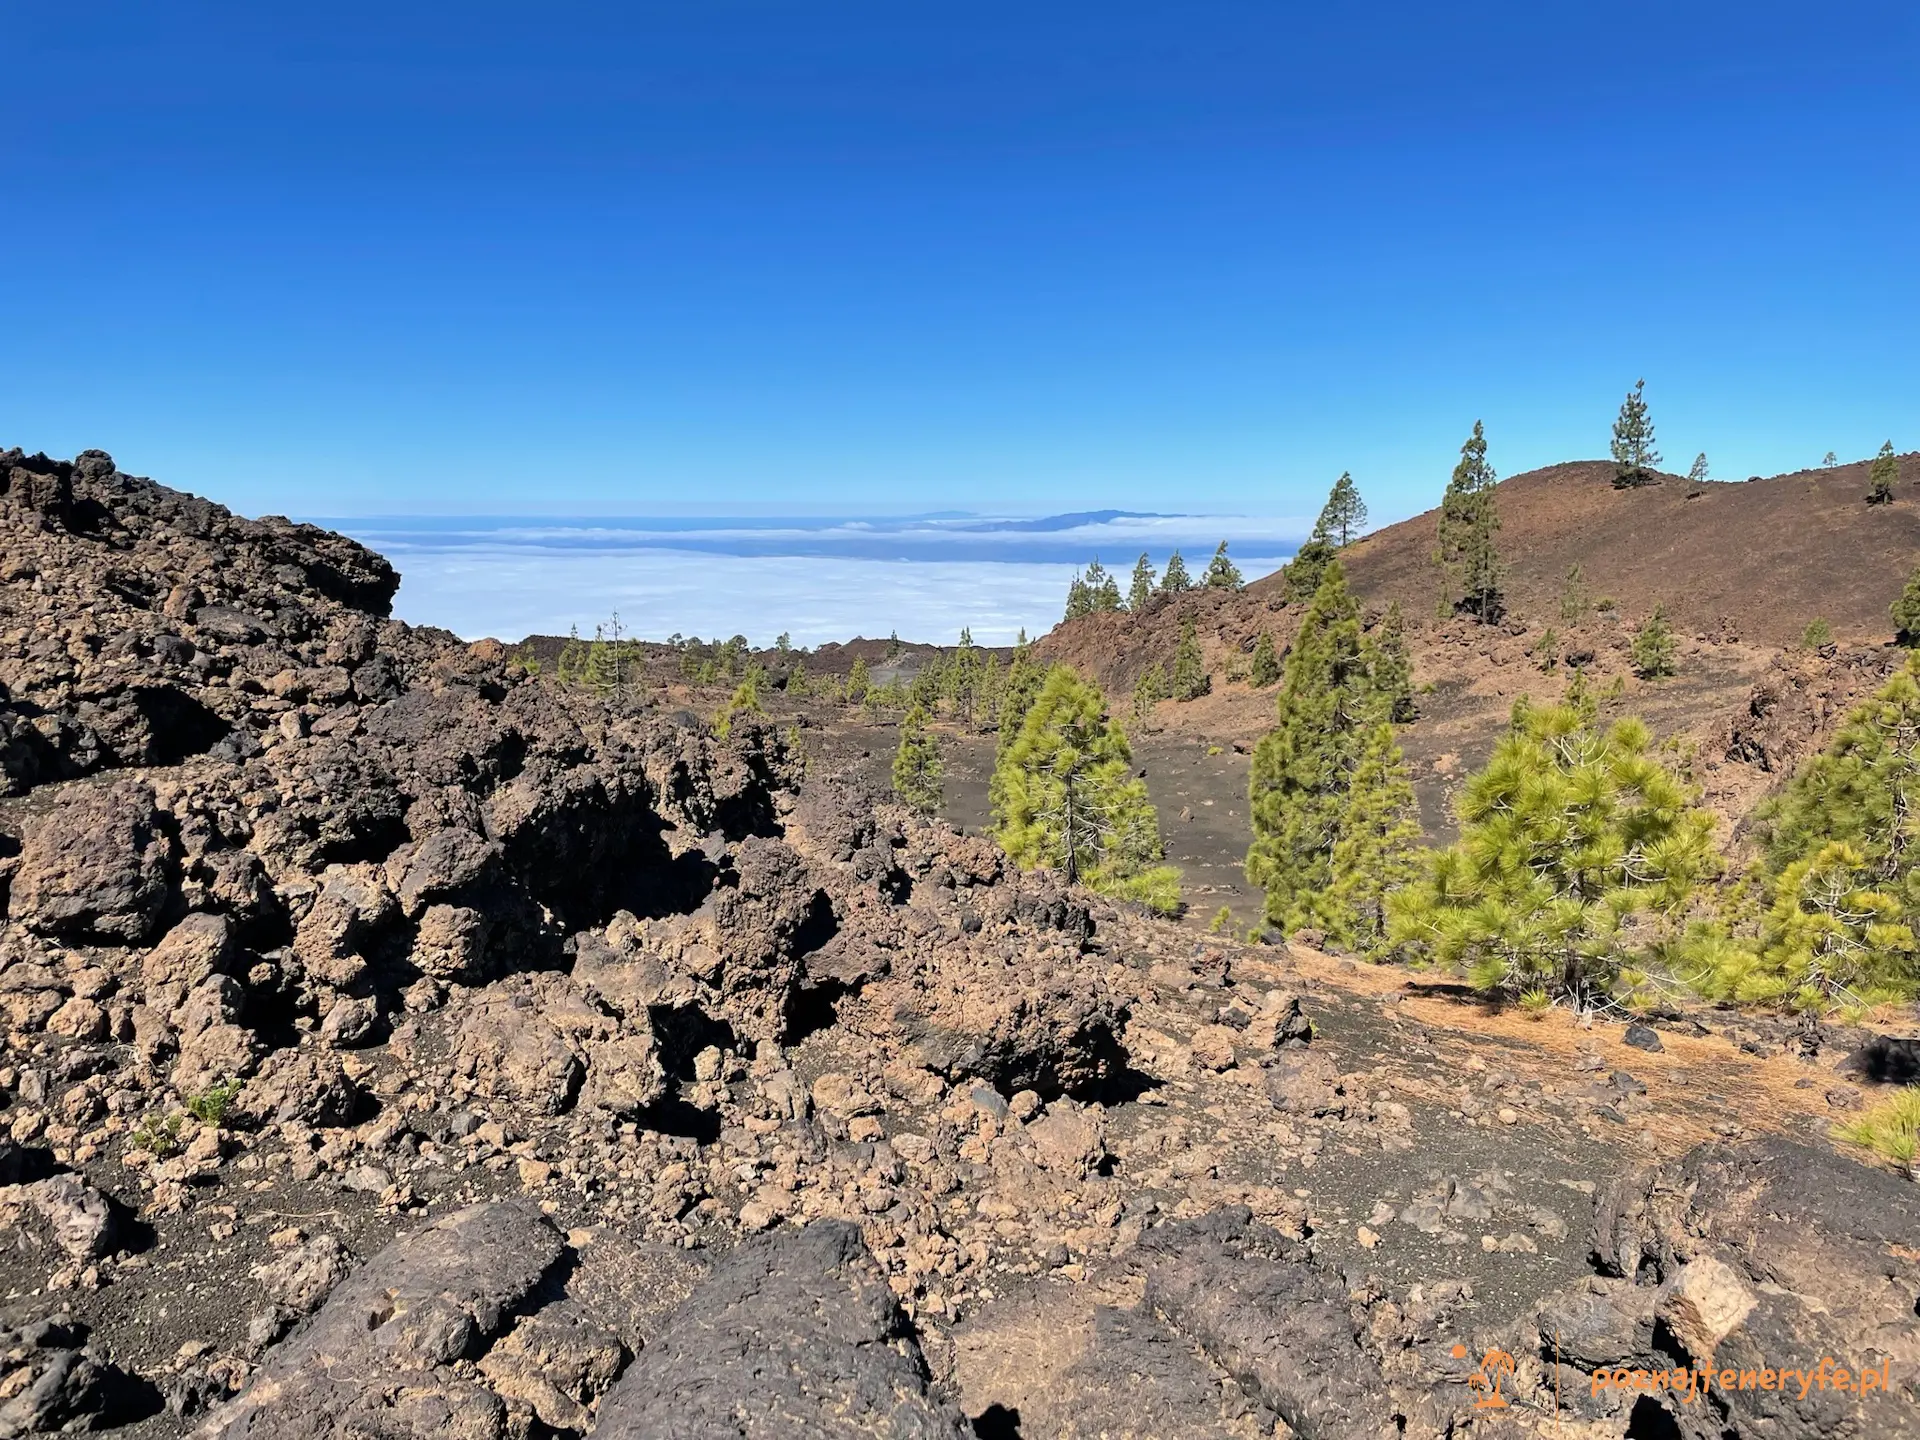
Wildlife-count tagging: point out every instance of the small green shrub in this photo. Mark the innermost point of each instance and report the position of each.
(1890, 1129)
(1222, 921)
(1157, 888)
(1653, 649)
(210, 1106)
(1817, 636)
(158, 1135)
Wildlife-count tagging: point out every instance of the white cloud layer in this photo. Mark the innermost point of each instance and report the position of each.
(817, 579)
(510, 591)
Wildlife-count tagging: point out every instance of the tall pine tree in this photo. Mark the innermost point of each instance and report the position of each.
(1190, 678)
(1633, 454)
(1103, 591)
(1079, 598)
(1881, 475)
(1391, 666)
(1344, 515)
(1222, 573)
(1265, 666)
(1377, 849)
(1468, 523)
(1303, 768)
(1069, 800)
(1024, 678)
(1140, 592)
(1176, 581)
(917, 770)
(1302, 574)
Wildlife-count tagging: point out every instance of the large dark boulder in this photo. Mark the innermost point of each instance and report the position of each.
(97, 866)
(794, 1335)
(1764, 1255)
(382, 1355)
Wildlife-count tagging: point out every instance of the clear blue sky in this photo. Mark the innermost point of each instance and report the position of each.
(711, 256)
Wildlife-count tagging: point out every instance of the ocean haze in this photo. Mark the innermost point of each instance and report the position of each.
(816, 578)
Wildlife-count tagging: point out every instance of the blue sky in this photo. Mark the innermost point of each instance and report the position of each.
(859, 258)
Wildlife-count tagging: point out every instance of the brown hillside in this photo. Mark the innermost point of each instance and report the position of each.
(1766, 556)
(1740, 568)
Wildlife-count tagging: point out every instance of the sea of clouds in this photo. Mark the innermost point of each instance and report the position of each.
(817, 579)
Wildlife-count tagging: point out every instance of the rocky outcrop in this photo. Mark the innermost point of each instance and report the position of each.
(1767, 1257)
(383, 1354)
(95, 866)
(795, 1335)
(1259, 1306)
(57, 1381)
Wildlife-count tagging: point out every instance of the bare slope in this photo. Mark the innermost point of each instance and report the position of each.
(1763, 557)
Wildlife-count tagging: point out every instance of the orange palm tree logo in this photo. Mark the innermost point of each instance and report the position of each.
(1495, 1366)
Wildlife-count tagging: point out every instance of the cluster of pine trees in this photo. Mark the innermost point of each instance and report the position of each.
(610, 662)
(1334, 825)
(1096, 590)
(1585, 867)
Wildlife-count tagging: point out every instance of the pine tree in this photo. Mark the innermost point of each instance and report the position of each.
(599, 672)
(917, 771)
(1149, 690)
(1024, 678)
(893, 645)
(1906, 612)
(745, 700)
(1468, 521)
(1697, 474)
(1222, 573)
(1344, 515)
(1079, 598)
(1862, 789)
(1574, 600)
(1547, 650)
(1378, 849)
(1190, 678)
(1569, 831)
(1836, 932)
(1070, 801)
(1302, 574)
(961, 677)
(992, 684)
(573, 659)
(1653, 649)
(858, 681)
(1140, 592)
(1103, 591)
(1265, 668)
(928, 685)
(1175, 581)
(1633, 454)
(1391, 666)
(1829, 460)
(1304, 766)
(1884, 472)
